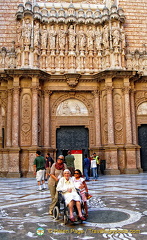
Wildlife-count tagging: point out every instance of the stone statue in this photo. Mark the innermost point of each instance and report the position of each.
(52, 38)
(116, 37)
(19, 34)
(36, 34)
(44, 36)
(81, 39)
(27, 32)
(62, 38)
(71, 38)
(98, 39)
(106, 37)
(90, 38)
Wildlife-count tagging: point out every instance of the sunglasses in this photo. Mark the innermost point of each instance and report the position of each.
(76, 173)
(61, 158)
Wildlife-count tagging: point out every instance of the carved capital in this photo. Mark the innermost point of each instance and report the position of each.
(96, 93)
(47, 93)
(126, 90)
(72, 79)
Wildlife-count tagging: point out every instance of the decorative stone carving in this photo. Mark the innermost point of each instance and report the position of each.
(44, 36)
(27, 32)
(72, 107)
(71, 38)
(72, 79)
(52, 38)
(142, 109)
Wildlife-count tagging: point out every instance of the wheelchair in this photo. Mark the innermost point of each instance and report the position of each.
(61, 209)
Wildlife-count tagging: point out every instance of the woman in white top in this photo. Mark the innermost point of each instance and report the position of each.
(70, 194)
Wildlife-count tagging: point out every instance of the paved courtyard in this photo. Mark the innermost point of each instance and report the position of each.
(117, 210)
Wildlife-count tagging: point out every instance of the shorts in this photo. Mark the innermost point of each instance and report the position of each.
(40, 175)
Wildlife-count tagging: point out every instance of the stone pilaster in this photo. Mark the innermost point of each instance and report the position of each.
(110, 116)
(128, 126)
(47, 94)
(15, 117)
(9, 120)
(34, 116)
(134, 125)
(110, 149)
(97, 119)
(131, 165)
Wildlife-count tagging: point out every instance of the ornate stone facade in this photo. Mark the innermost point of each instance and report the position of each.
(71, 64)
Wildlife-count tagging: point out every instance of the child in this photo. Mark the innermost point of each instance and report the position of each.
(80, 184)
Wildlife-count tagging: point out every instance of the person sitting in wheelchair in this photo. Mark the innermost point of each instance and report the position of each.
(80, 184)
(70, 194)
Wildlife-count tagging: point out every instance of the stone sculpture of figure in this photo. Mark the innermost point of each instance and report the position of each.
(71, 38)
(36, 34)
(62, 38)
(19, 34)
(90, 38)
(116, 37)
(81, 39)
(52, 38)
(27, 32)
(105, 37)
(44, 36)
(98, 39)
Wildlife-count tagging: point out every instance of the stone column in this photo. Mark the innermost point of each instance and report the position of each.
(131, 158)
(97, 119)
(127, 115)
(111, 149)
(14, 153)
(34, 116)
(134, 125)
(9, 120)
(134, 132)
(110, 116)
(47, 94)
(15, 117)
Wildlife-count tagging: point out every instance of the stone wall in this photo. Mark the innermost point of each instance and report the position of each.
(8, 22)
(136, 23)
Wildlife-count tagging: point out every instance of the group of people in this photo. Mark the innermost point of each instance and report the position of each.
(62, 176)
(91, 166)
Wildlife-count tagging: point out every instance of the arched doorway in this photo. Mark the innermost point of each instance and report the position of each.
(142, 138)
(73, 138)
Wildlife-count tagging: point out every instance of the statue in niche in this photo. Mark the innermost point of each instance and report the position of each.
(52, 38)
(98, 38)
(71, 38)
(27, 32)
(106, 37)
(116, 37)
(62, 38)
(44, 36)
(19, 34)
(36, 34)
(81, 39)
(90, 38)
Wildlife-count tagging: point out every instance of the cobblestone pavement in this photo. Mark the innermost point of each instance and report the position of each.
(117, 210)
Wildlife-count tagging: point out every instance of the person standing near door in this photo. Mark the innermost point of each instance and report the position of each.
(69, 159)
(97, 162)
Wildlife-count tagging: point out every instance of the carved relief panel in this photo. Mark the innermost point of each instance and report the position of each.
(25, 126)
(118, 118)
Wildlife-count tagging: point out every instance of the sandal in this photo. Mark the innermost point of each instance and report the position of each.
(82, 218)
(72, 219)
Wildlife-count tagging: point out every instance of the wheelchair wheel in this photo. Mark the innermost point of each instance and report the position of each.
(56, 213)
(65, 219)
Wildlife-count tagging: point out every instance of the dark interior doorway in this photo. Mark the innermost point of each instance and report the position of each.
(142, 138)
(72, 138)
